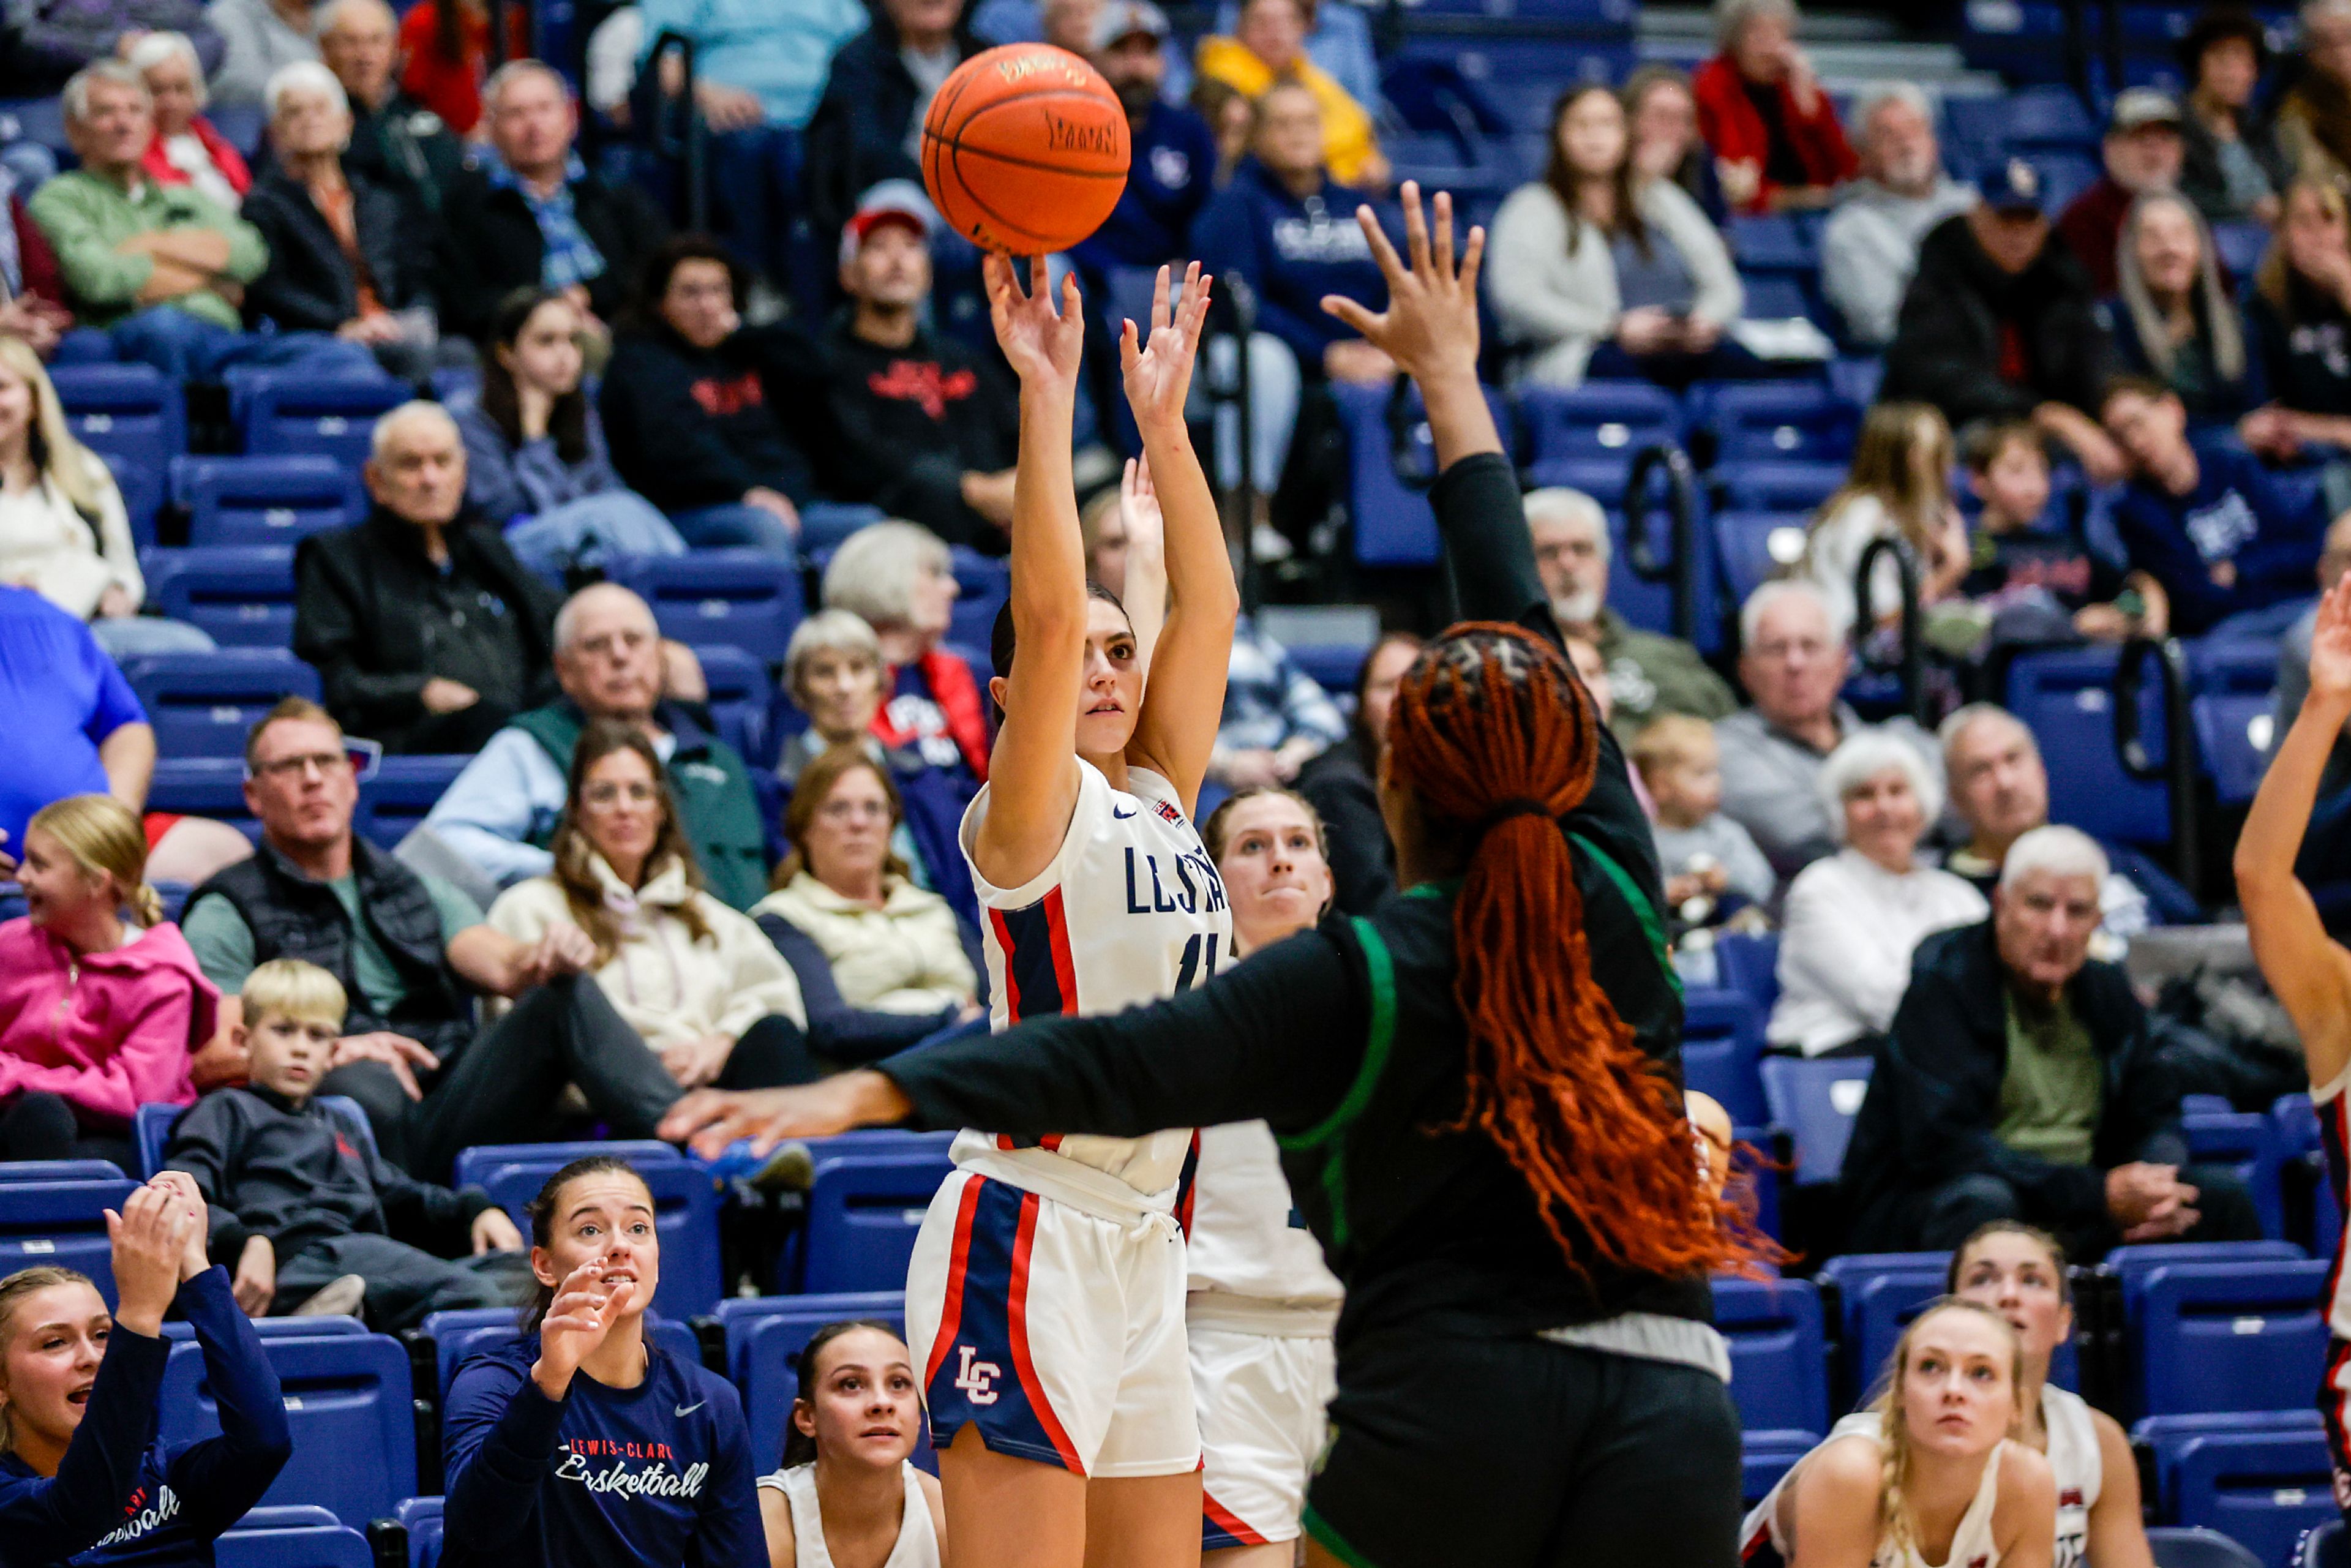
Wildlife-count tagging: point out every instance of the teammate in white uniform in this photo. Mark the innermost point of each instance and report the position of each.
(2019, 1272)
(845, 1478)
(1045, 1297)
(2310, 972)
(1926, 1477)
(1261, 1305)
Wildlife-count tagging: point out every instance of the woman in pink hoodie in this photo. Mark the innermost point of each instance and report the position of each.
(98, 1014)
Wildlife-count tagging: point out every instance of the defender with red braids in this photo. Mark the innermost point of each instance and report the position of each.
(1475, 1087)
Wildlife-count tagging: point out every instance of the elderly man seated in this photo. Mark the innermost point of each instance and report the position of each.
(2020, 1081)
(1792, 661)
(1648, 674)
(499, 815)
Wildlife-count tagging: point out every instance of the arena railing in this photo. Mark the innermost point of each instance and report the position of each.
(2176, 771)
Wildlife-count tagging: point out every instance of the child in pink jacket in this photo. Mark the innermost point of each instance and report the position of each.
(98, 1014)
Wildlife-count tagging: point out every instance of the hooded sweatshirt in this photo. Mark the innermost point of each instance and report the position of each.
(698, 427)
(1292, 251)
(107, 1032)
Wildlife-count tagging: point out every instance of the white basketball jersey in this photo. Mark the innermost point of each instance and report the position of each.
(1245, 1238)
(918, 1535)
(2079, 1467)
(1130, 911)
(1763, 1536)
(2332, 1105)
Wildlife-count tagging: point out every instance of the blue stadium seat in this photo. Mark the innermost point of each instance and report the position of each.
(2178, 1546)
(13, 1171)
(151, 1128)
(825, 524)
(2227, 1336)
(299, 1546)
(1776, 244)
(1817, 1101)
(2043, 117)
(348, 1400)
(1598, 419)
(400, 794)
(2327, 1546)
(2232, 735)
(1777, 486)
(288, 1516)
(1750, 964)
(747, 598)
(2239, 247)
(297, 412)
(765, 1336)
(421, 1516)
(143, 495)
(1877, 1295)
(128, 412)
(1773, 297)
(2065, 697)
(1722, 1046)
(2132, 1265)
(473, 1166)
(1392, 524)
(61, 1222)
(1786, 420)
(470, 1331)
(983, 583)
(2259, 1480)
(740, 696)
(2245, 1142)
(201, 705)
(265, 500)
(1765, 1456)
(865, 1207)
(1756, 547)
(1778, 1352)
(1329, 641)
(242, 594)
(203, 787)
(685, 1216)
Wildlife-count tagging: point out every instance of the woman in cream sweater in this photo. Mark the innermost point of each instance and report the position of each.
(708, 992)
(1596, 269)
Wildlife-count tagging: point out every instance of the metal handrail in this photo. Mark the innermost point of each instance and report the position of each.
(1680, 565)
(1908, 665)
(1232, 308)
(688, 145)
(2176, 771)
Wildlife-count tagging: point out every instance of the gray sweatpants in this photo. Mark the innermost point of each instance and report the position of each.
(404, 1283)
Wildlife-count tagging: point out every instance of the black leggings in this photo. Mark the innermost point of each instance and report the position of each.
(773, 1053)
(1520, 1453)
(39, 1125)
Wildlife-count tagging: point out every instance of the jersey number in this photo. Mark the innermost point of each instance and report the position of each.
(1191, 972)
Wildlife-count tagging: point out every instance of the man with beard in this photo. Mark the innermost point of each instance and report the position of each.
(1173, 171)
(1870, 247)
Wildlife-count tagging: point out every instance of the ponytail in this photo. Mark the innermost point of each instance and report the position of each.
(105, 837)
(1496, 739)
(146, 904)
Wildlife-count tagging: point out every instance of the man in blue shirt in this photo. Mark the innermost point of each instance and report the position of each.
(1173, 168)
(2203, 518)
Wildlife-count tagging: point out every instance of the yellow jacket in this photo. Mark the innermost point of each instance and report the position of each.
(1349, 143)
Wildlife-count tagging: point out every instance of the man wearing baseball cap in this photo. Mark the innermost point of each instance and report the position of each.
(1172, 172)
(2001, 323)
(917, 424)
(2143, 151)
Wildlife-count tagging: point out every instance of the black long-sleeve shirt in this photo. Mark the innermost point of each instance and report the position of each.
(48, 1520)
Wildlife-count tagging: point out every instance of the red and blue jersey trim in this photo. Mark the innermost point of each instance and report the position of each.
(1041, 977)
(981, 1369)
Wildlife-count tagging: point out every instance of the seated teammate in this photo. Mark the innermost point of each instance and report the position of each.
(845, 1492)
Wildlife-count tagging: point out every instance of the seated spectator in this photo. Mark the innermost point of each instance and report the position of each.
(499, 816)
(428, 633)
(1792, 661)
(1230, 116)
(696, 978)
(446, 47)
(74, 728)
(396, 143)
(1172, 172)
(690, 404)
(1777, 143)
(32, 292)
(2033, 569)
(1599, 271)
(1269, 46)
(2230, 165)
(843, 1445)
(2142, 152)
(2203, 517)
(1648, 672)
(1853, 920)
(1999, 322)
(1340, 785)
(342, 253)
(2000, 791)
(306, 1226)
(261, 37)
(890, 947)
(917, 424)
(97, 1015)
(2299, 308)
(2313, 116)
(1661, 117)
(868, 122)
(900, 581)
(1277, 717)
(49, 41)
(536, 459)
(2174, 319)
(534, 216)
(63, 533)
(411, 953)
(1869, 248)
(186, 150)
(2020, 1081)
(1899, 488)
(1703, 853)
(159, 266)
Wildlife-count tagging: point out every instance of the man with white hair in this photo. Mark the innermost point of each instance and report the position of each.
(262, 36)
(1648, 674)
(396, 141)
(428, 633)
(1870, 246)
(1792, 661)
(499, 815)
(161, 268)
(2020, 1081)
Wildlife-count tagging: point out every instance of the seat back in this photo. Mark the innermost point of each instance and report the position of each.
(265, 500)
(1756, 547)
(2174, 1546)
(460, 1335)
(241, 594)
(2327, 1546)
(301, 412)
(2234, 731)
(1778, 1351)
(402, 792)
(61, 1223)
(126, 412)
(296, 1546)
(2065, 697)
(864, 1207)
(746, 598)
(740, 696)
(1750, 964)
(201, 705)
(2245, 1142)
(1722, 1048)
(1777, 485)
(1765, 1456)
(685, 1216)
(1775, 421)
(2260, 1481)
(2235, 1336)
(1392, 524)
(765, 1336)
(349, 1401)
(14, 1171)
(1817, 1101)
(1599, 419)
(983, 584)
(421, 1516)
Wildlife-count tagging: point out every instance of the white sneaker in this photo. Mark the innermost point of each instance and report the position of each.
(1269, 543)
(338, 1298)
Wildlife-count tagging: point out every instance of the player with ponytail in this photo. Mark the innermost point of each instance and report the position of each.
(1475, 1087)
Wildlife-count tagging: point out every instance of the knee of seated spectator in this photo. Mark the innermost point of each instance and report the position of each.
(1958, 1207)
(2225, 1203)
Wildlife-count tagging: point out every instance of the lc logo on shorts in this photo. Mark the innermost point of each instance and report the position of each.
(980, 1366)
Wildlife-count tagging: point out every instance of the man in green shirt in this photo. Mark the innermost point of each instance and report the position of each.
(161, 269)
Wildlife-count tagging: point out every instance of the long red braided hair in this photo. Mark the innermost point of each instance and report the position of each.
(1497, 738)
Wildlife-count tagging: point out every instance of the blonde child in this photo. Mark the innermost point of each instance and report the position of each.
(1704, 854)
(1899, 487)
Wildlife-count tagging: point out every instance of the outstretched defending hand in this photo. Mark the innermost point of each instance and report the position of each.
(1044, 345)
(1159, 373)
(710, 1119)
(1430, 326)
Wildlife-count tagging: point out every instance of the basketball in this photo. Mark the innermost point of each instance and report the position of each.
(1025, 149)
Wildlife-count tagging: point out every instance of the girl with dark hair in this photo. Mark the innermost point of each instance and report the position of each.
(698, 981)
(1475, 1087)
(1339, 783)
(535, 453)
(583, 1443)
(845, 1481)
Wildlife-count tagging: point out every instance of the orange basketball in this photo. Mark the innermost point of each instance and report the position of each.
(1025, 149)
